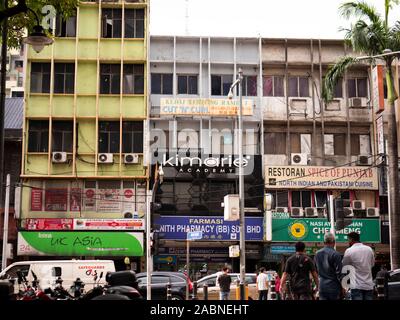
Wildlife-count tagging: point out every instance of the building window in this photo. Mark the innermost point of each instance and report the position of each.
(38, 137)
(133, 79)
(134, 23)
(62, 136)
(17, 94)
(187, 84)
(112, 23)
(110, 78)
(65, 27)
(335, 144)
(249, 86)
(18, 64)
(40, 77)
(320, 199)
(132, 137)
(220, 84)
(357, 87)
(64, 77)
(360, 144)
(301, 199)
(273, 86)
(300, 143)
(280, 198)
(298, 87)
(161, 83)
(109, 137)
(275, 143)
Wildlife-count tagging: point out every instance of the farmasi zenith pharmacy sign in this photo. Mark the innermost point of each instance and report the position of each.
(292, 177)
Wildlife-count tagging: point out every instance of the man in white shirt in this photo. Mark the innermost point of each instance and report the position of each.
(361, 257)
(262, 285)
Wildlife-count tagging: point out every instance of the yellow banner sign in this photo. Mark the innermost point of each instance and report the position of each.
(298, 177)
(204, 107)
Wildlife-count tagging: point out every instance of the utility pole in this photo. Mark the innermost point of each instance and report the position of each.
(5, 226)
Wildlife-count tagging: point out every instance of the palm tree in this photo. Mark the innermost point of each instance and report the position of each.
(372, 35)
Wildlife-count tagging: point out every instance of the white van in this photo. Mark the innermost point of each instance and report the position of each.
(48, 271)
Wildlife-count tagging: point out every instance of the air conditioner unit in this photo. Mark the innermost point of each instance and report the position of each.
(131, 158)
(299, 159)
(348, 212)
(281, 209)
(364, 160)
(355, 102)
(105, 158)
(59, 157)
(231, 207)
(311, 212)
(372, 212)
(358, 205)
(322, 211)
(296, 212)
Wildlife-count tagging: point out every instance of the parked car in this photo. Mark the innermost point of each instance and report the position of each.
(394, 285)
(159, 281)
(213, 287)
(48, 271)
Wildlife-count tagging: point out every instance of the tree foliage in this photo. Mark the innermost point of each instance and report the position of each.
(21, 20)
(370, 34)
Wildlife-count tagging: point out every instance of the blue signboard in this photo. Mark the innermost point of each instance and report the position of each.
(164, 259)
(282, 249)
(212, 228)
(195, 235)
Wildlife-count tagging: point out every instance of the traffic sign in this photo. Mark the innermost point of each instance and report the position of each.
(195, 235)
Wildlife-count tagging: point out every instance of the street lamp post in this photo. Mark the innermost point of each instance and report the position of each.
(242, 245)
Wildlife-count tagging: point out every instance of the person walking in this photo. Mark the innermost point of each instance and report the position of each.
(224, 281)
(362, 259)
(298, 271)
(262, 285)
(329, 266)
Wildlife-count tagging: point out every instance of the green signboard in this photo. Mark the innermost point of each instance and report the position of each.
(286, 229)
(91, 243)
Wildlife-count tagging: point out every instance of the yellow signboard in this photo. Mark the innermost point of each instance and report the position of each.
(204, 107)
(298, 177)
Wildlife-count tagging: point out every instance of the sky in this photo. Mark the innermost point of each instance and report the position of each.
(317, 19)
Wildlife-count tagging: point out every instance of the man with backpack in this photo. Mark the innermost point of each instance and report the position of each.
(297, 274)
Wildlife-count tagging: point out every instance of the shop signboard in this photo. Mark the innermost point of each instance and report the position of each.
(48, 224)
(90, 243)
(213, 228)
(36, 200)
(165, 259)
(299, 177)
(109, 200)
(204, 107)
(286, 229)
(56, 199)
(109, 224)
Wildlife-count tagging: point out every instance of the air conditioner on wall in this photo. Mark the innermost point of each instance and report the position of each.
(311, 212)
(105, 158)
(372, 212)
(355, 102)
(348, 212)
(296, 212)
(322, 211)
(131, 158)
(358, 205)
(299, 159)
(281, 209)
(59, 157)
(364, 160)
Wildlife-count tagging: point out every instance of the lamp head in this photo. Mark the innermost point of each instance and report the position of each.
(230, 95)
(38, 39)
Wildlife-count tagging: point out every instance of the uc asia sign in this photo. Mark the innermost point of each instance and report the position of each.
(204, 107)
(295, 177)
(212, 228)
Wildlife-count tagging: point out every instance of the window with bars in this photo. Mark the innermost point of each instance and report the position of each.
(187, 84)
(220, 84)
(132, 137)
(357, 87)
(65, 27)
(64, 77)
(133, 79)
(40, 77)
(109, 137)
(62, 136)
(161, 83)
(273, 86)
(38, 136)
(111, 23)
(134, 23)
(298, 86)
